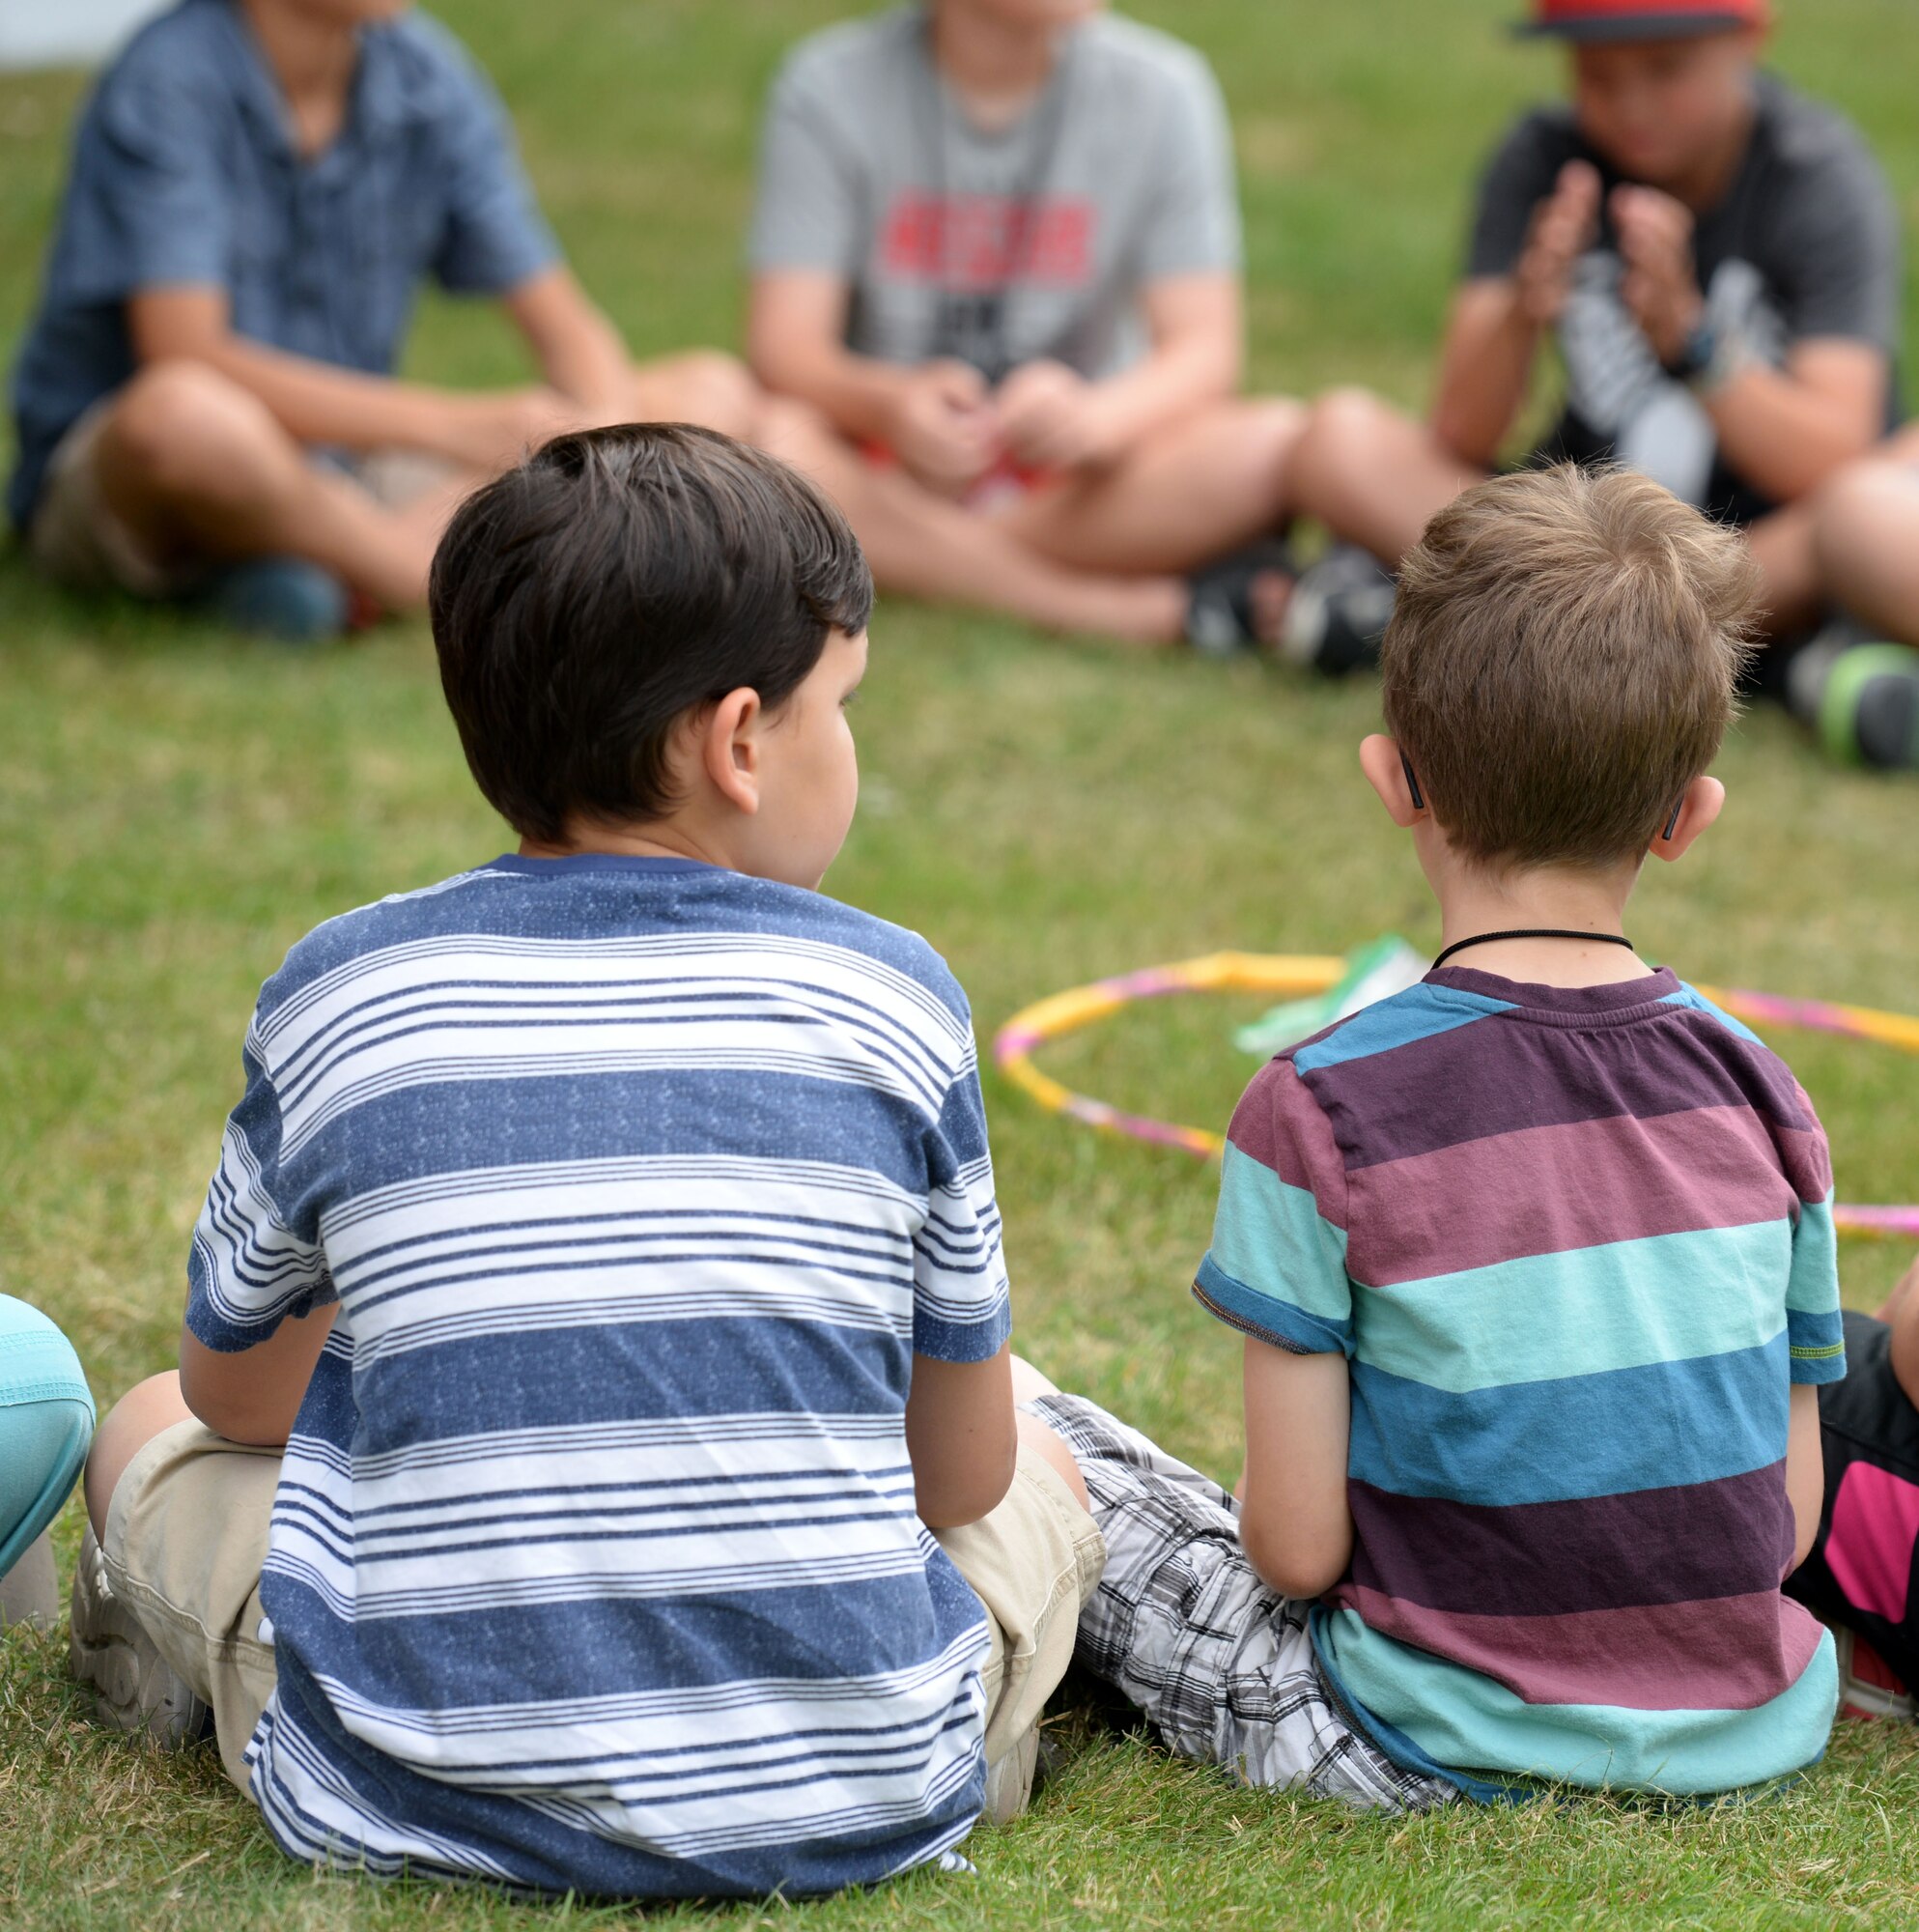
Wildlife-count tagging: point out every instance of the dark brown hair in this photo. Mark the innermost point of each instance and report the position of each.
(614, 580)
(1562, 661)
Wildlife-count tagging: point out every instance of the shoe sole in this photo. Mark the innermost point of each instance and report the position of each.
(136, 1690)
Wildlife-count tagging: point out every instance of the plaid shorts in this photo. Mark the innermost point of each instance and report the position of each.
(1183, 1626)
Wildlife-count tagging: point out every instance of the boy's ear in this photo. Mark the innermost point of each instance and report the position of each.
(1698, 809)
(730, 749)
(1387, 773)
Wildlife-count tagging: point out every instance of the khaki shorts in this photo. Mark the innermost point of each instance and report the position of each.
(186, 1537)
(79, 540)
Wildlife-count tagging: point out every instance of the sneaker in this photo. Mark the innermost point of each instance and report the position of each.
(134, 1687)
(1868, 710)
(1339, 613)
(284, 598)
(1867, 1686)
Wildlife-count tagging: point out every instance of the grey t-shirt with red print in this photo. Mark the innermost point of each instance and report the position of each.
(997, 247)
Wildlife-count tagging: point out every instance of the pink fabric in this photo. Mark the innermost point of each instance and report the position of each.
(1869, 1550)
(1726, 1654)
(1554, 1189)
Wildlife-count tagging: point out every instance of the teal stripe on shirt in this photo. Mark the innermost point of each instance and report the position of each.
(1582, 1311)
(1815, 1268)
(1458, 1716)
(1418, 1013)
(1652, 1428)
(1271, 1237)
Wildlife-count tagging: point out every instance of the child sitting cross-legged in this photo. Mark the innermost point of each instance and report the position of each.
(598, 1327)
(1534, 1261)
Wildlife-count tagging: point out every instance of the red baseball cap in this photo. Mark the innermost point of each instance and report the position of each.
(1641, 19)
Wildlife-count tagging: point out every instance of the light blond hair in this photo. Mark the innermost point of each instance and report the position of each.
(1562, 661)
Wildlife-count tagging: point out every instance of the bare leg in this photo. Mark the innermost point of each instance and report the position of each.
(1028, 1385)
(147, 1409)
(1865, 540)
(1783, 546)
(702, 387)
(924, 546)
(196, 467)
(1189, 493)
(1372, 476)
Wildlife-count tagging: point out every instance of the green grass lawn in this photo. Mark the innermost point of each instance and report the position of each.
(177, 807)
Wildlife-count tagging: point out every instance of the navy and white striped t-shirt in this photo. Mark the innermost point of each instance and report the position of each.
(594, 1562)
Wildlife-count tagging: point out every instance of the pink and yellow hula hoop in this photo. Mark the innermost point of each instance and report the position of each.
(1298, 975)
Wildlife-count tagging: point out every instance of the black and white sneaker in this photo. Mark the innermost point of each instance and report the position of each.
(1339, 613)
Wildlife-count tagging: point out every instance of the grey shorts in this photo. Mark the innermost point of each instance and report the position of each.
(1183, 1626)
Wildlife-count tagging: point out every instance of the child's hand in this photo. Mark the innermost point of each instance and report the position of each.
(944, 428)
(1564, 227)
(1051, 418)
(1661, 286)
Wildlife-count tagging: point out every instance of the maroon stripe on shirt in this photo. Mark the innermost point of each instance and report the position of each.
(1512, 1072)
(1278, 1124)
(1718, 1538)
(1722, 1654)
(1549, 1191)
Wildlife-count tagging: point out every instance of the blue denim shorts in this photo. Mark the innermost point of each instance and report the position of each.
(46, 1420)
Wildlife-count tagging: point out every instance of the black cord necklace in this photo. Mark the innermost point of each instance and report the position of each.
(1531, 933)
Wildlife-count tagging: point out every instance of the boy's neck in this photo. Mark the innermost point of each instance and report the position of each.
(996, 67)
(1474, 900)
(313, 59)
(662, 839)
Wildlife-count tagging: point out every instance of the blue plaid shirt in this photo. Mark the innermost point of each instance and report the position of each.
(184, 175)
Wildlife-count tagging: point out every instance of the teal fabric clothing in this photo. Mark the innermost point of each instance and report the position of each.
(1577, 1246)
(46, 1421)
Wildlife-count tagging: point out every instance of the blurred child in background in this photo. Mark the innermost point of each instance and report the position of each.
(257, 189)
(997, 246)
(1715, 257)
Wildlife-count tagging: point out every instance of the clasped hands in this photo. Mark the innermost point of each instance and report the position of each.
(949, 427)
(1655, 243)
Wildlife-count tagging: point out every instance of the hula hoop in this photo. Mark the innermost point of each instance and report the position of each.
(1299, 975)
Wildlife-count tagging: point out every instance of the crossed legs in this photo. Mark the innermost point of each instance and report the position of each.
(194, 469)
(1105, 554)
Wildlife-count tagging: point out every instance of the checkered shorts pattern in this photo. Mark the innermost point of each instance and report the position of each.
(1183, 1626)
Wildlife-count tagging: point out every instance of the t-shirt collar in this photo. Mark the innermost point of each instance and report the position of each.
(1622, 999)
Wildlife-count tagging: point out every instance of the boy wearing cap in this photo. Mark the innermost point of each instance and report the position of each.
(1717, 258)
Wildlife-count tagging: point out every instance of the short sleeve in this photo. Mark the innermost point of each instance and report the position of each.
(1839, 253)
(496, 236)
(1277, 1268)
(1520, 174)
(1813, 1333)
(251, 1267)
(1193, 225)
(962, 1306)
(151, 206)
(806, 214)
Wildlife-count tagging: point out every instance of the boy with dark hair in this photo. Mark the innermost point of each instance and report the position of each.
(257, 189)
(997, 246)
(1715, 257)
(1534, 1262)
(597, 1323)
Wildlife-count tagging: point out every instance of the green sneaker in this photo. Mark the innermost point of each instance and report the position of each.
(1869, 710)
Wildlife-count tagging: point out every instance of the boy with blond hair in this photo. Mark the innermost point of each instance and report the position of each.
(1534, 1262)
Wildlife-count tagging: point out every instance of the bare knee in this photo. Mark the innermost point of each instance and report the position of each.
(1866, 514)
(711, 388)
(182, 430)
(143, 1412)
(1347, 430)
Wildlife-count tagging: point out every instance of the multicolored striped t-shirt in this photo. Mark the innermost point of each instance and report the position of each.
(1577, 1244)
